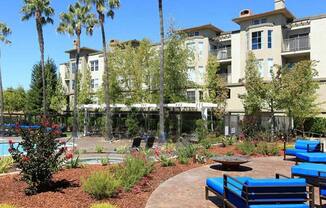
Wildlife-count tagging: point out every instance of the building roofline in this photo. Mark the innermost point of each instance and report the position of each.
(91, 50)
(202, 27)
(285, 12)
(315, 17)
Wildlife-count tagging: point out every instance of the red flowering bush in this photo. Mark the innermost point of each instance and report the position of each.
(39, 155)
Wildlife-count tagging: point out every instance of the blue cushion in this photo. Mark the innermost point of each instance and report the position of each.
(314, 145)
(277, 182)
(280, 206)
(217, 184)
(294, 152)
(312, 157)
(309, 169)
(323, 191)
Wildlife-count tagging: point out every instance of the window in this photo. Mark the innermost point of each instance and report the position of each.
(260, 66)
(96, 83)
(200, 49)
(270, 35)
(196, 33)
(270, 64)
(263, 21)
(256, 40)
(191, 46)
(92, 83)
(94, 65)
(192, 74)
(259, 21)
(73, 67)
(73, 84)
(201, 95)
(191, 96)
(190, 34)
(256, 22)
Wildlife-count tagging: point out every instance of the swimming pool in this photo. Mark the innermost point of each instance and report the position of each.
(4, 149)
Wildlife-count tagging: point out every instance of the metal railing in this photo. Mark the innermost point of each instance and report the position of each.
(296, 44)
(223, 53)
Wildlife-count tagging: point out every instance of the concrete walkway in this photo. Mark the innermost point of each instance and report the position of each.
(186, 190)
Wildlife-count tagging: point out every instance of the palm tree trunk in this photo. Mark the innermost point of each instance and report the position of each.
(75, 122)
(41, 44)
(106, 81)
(1, 103)
(162, 134)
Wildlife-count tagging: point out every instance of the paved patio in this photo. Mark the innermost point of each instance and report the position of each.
(186, 190)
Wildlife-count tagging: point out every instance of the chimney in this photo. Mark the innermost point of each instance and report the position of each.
(279, 4)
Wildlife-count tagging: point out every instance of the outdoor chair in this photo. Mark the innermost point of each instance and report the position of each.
(303, 146)
(136, 143)
(315, 174)
(311, 157)
(245, 192)
(150, 142)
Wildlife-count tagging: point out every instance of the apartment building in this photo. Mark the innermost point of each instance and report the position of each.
(276, 37)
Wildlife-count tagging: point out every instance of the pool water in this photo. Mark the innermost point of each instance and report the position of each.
(4, 149)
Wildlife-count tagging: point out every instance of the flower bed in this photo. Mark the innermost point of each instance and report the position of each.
(68, 192)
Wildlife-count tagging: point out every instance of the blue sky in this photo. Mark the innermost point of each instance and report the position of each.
(136, 19)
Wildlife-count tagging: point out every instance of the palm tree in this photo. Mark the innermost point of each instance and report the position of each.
(73, 22)
(4, 32)
(42, 12)
(101, 7)
(162, 134)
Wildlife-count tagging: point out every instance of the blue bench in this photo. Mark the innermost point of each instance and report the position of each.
(245, 192)
(303, 146)
(311, 157)
(315, 174)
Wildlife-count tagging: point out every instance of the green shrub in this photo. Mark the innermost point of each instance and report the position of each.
(5, 164)
(247, 148)
(101, 184)
(201, 129)
(166, 162)
(105, 161)
(39, 155)
(228, 140)
(229, 153)
(183, 160)
(6, 206)
(122, 150)
(265, 148)
(74, 163)
(132, 123)
(99, 149)
(200, 159)
(133, 169)
(103, 205)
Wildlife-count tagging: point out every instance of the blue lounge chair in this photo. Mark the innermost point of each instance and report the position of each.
(303, 146)
(315, 174)
(245, 192)
(311, 157)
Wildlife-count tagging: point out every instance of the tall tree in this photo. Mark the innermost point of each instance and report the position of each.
(108, 7)
(4, 32)
(42, 11)
(216, 86)
(73, 22)
(162, 131)
(35, 94)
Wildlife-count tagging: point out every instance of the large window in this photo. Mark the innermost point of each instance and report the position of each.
(260, 66)
(270, 37)
(94, 65)
(270, 64)
(73, 67)
(256, 40)
(191, 96)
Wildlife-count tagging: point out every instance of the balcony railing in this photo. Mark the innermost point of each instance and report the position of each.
(224, 53)
(296, 44)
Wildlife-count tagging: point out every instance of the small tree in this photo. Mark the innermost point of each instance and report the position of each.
(299, 91)
(37, 156)
(252, 100)
(58, 100)
(15, 100)
(216, 87)
(85, 94)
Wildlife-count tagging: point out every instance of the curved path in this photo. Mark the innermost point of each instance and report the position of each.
(186, 190)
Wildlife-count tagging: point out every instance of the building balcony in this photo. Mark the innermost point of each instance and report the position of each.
(224, 53)
(297, 44)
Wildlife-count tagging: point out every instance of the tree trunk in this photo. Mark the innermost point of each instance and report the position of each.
(75, 122)
(1, 103)
(106, 81)
(162, 133)
(41, 45)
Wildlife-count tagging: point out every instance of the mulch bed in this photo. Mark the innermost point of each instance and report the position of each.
(68, 192)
